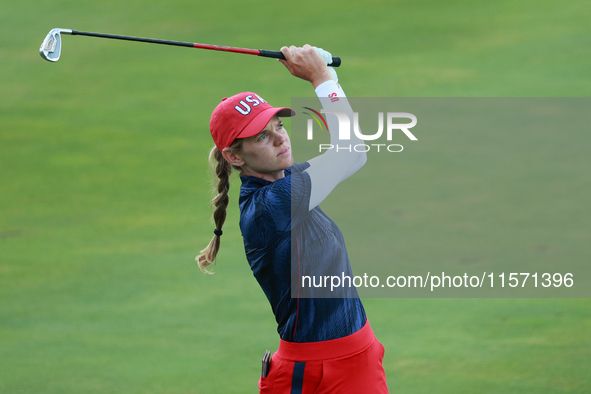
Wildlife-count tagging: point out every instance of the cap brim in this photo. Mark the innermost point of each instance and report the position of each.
(286, 112)
(258, 124)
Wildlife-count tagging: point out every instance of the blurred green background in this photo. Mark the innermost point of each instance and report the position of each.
(105, 192)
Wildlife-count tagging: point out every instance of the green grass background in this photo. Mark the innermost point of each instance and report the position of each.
(104, 193)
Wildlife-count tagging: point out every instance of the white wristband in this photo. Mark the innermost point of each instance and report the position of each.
(325, 89)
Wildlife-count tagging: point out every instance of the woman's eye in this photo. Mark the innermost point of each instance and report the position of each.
(280, 126)
(262, 137)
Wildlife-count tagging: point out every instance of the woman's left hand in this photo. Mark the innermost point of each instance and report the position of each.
(305, 63)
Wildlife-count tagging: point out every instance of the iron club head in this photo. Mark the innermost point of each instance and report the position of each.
(51, 47)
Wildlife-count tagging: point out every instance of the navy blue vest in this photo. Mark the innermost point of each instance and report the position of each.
(277, 227)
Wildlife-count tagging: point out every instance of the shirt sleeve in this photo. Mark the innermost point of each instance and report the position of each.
(288, 198)
(334, 166)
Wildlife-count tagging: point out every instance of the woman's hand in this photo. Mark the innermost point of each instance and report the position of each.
(306, 63)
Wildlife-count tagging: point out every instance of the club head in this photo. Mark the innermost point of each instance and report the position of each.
(51, 48)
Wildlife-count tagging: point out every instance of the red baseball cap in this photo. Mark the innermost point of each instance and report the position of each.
(241, 116)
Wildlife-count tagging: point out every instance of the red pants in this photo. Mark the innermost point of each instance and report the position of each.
(352, 364)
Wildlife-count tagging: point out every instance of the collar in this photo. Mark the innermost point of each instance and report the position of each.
(252, 183)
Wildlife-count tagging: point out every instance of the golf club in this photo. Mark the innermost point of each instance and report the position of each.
(51, 47)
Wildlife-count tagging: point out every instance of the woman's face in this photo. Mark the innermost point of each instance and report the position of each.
(266, 154)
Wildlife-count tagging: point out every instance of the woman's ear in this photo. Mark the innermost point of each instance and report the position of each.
(232, 158)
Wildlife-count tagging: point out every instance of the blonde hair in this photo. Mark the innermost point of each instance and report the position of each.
(222, 170)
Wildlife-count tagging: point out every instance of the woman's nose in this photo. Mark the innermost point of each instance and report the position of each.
(279, 138)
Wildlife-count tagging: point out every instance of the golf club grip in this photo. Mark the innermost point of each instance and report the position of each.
(336, 61)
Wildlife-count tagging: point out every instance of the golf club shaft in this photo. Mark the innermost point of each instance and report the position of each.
(336, 61)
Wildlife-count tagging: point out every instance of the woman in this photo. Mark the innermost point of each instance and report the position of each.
(326, 345)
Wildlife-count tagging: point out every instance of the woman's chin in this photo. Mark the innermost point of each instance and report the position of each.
(288, 162)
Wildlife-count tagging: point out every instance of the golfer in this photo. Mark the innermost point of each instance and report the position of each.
(326, 344)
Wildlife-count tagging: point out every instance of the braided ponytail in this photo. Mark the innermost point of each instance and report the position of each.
(222, 170)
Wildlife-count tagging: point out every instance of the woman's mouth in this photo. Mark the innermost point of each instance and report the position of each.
(284, 152)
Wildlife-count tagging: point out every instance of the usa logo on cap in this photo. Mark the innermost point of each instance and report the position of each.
(241, 116)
